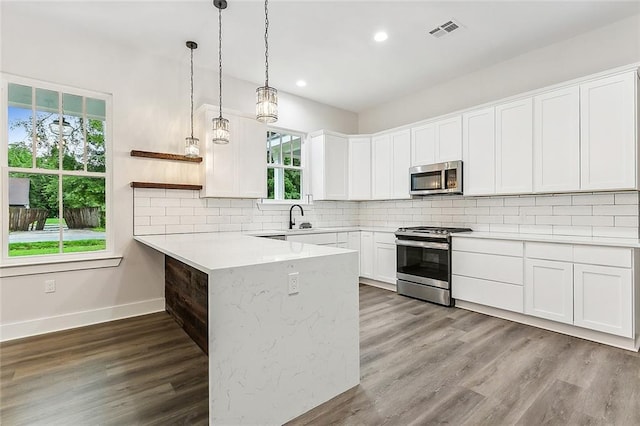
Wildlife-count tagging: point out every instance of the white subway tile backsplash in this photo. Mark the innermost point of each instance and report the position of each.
(179, 229)
(193, 220)
(180, 193)
(592, 220)
(165, 220)
(605, 214)
(179, 211)
(592, 199)
(616, 210)
(553, 220)
(149, 211)
(572, 210)
(626, 221)
(193, 202)
(626, 198)
(490, 202)
(519, 201)
(164, 202)
(553, 200)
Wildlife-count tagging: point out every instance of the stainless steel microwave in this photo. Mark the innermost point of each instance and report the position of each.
(441, 178)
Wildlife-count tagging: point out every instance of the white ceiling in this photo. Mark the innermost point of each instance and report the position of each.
(330, 43)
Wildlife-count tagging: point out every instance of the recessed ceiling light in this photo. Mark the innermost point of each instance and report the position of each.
(380, 36)
(301, 83)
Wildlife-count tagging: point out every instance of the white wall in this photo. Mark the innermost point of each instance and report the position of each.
(150, 112)
(611, 46)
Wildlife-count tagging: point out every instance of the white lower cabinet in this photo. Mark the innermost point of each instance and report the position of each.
(586, 286)
(378, 256)
(353, 243)
(366, 254)
(604, 299)
(548, 290)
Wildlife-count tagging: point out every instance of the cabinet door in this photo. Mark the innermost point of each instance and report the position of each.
(353, 243)
(366, 254)
(381, 168)
(385, 263)
(359, 168)
(336, 167)
(478, 152)
(221, 161)
(556, 161)
(251, 159)
(514, 147)
(548, 290)
(607, 126)
(423, 145)
(604, 299)
(449, 140)
(401, 142)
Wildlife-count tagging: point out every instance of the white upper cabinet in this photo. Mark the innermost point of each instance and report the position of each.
(359, 168)
(478, 152)
(391, 155)
(556, 161)
(514, 147)
(381, 164)
(329, 167)
(437, 142)
(608, 132)
(238, 169)
(401, 142)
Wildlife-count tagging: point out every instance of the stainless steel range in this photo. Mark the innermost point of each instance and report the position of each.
(424, 263)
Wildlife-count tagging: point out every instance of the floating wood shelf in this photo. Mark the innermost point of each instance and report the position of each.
(157, 185)
(164, 156)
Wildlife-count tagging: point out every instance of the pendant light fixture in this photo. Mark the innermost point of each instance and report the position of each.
(65, 127)
(220, 125)
(190, 143)
(266, 97)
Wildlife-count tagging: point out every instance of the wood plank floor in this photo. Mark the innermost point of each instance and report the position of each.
(420, 364)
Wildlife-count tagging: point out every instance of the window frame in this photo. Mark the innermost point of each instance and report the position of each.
(60, 261)
(304, 185)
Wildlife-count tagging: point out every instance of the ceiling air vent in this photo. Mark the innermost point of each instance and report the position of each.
(445, 29)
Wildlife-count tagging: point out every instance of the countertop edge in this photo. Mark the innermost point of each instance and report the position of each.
(555, 239)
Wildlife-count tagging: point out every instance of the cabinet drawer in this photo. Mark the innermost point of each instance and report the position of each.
(488, 266)
(490, 293)
(384, 237)
(476, 245)
(608, 256)
(329, 238)
(342, 237)
(549, 251)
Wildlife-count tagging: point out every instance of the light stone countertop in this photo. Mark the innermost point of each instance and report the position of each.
(563, 239)
(221, 250)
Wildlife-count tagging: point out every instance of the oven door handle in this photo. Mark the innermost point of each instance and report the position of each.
(423, 244)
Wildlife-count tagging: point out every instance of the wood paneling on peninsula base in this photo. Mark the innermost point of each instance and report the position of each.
(420, 363)
(186, 299)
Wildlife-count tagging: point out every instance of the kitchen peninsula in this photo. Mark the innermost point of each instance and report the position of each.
(274, 353)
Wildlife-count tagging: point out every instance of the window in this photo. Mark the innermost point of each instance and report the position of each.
(55, 170)
(284, 166)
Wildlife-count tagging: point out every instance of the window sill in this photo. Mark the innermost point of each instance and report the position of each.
(58, 265)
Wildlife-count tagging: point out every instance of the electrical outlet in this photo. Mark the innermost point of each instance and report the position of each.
(50, 286)
(294, 283)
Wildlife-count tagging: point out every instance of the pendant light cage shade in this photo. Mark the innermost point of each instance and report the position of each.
(63, 128)
(191, 148)
(267, 104)
(220, 131)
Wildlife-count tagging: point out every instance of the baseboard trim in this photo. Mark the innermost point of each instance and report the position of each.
(379, 284)
(583, 333)
(18, 330)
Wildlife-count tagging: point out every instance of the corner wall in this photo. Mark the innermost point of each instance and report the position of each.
(608, 47)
